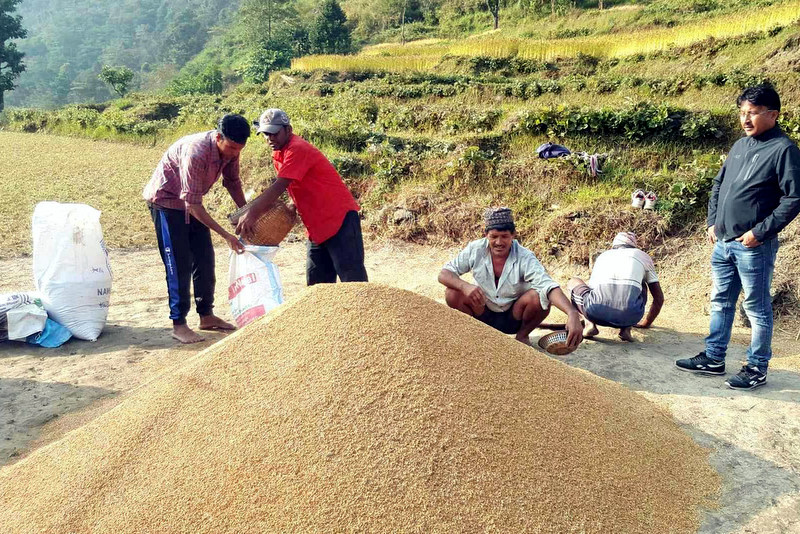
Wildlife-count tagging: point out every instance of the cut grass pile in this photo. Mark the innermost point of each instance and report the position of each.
(346, 411)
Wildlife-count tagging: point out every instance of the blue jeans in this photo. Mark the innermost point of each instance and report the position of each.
(735, 267)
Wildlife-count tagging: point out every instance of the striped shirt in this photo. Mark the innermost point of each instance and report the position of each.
(187, 171)
(623, 266)
(521, 272)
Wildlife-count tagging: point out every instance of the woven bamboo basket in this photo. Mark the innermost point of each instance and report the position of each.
(271, 228)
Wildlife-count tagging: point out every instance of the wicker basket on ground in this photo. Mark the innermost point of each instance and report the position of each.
(271, 228)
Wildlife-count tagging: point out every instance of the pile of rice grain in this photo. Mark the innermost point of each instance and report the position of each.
(365, 408)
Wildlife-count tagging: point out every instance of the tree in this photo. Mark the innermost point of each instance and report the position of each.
(119, 78)
(258, 20)
(330, 34)
(267, 57)
(62, 84)
(11, 65)
(494, 9)
(184, 37)
(411, 12)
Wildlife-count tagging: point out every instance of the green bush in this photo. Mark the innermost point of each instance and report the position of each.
(78, 115)
(635, 122)
(348, 166)
(208, 81)
(439, 118)
(348, 137)
(508, 66)
(473, 165)
(702, 125)
(687, 197)
(27, 119)
(789, 122)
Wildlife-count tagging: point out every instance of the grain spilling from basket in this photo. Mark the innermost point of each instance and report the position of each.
(359, 407)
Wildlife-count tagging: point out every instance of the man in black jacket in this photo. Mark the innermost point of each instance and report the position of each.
(754, 196)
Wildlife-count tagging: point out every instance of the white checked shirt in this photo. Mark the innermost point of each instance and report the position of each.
(521, 273)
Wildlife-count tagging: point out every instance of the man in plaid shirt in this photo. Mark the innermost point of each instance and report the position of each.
(183, 226)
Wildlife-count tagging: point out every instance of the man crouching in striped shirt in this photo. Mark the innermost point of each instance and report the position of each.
(183, 226)
(617, 291)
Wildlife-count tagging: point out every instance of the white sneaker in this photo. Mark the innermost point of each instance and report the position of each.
(638, 199)
(650, 200)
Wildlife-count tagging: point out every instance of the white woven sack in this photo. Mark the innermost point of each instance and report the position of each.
(70, 266)
(254, 284)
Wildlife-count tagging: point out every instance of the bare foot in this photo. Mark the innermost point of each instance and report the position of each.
(625, 334)
(184, 334)
(591, 330)
(526, 340)
(212, 322)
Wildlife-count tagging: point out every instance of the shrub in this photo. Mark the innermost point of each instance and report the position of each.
(635, 122)
(701, 125)
(208, 81)
(687, 198)
(473, 165)
(348, 166)
(118, 120)
(26, 119)
(81, 116)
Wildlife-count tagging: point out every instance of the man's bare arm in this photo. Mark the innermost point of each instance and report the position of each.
(260, 206)
(574, 326)
(199, 212)
(655, 306)
(237, 195)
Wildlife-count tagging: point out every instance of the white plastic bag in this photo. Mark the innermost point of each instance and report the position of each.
(254, 284)
(11, 301)
(71, 267)
(25, 320)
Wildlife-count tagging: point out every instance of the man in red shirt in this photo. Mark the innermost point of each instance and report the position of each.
(326, 206)
(174, 195)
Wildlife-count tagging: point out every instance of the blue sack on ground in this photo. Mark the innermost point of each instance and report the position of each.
(551, 150)
(54, 335)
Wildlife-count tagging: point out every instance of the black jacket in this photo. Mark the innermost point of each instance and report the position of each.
(758, 187)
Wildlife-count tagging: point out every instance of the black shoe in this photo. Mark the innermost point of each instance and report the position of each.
(702, 364)
(747, 378)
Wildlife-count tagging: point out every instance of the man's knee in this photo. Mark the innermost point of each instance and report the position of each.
(529, 306)
(456, 300)
(356, 274)
(531, 298)
(453, 298)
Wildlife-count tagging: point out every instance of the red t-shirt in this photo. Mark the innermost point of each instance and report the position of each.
(316, 188)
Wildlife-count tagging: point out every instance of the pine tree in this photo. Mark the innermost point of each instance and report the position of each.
(11, 65)
(330, 34)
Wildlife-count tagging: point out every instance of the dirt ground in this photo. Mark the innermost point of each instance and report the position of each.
(755, 436)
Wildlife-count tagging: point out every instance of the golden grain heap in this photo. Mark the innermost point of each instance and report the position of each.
(364, 408)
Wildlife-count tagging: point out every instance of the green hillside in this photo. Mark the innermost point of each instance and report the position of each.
(69, 40)
(426, 145)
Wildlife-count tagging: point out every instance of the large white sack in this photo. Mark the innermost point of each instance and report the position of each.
(254, 284)
(71, 267)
